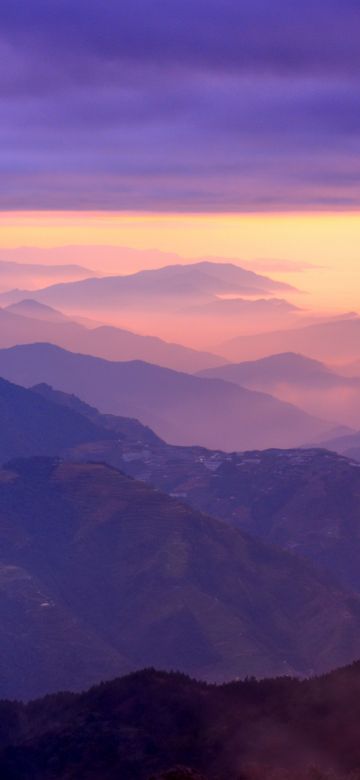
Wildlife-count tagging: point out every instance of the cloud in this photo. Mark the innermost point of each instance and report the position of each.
(198, 105)
(220, 35)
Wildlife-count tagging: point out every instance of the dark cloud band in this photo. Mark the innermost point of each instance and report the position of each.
(192, 105)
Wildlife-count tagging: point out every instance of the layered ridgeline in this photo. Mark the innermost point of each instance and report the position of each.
(309, 384)
(226, 309)
(23, 323)
(32, 275)
(305, 501)
(101, 574)
(334, 341)
(193, 303)
(195, 282)
(142, 726)
(181, 408)
(273, 371)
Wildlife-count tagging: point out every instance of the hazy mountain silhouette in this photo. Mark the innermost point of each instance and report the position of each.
(155, 582)
(181, 408)
(137, 727)
(32, 309)
(23, 323)
(348, 445)
(29, 308)
(274, 369)
(160, 301)
(32, 425)
(301, 381)
(194, 281)
(17, 274)
(242, 307)
(334, 341)
(226, 316)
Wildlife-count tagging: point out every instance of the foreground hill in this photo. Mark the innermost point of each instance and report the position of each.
(182, 409)
(306, 501)
(147, 581)
(138, 727)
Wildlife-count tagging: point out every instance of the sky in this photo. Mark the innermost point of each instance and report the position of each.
(197, 127)
(317, 253)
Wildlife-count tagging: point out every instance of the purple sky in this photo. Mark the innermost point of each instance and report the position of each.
(196, 105)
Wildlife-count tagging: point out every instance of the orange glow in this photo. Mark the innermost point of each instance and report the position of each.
(330, 240)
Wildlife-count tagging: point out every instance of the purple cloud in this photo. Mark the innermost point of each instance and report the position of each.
(217, 34)
(191, 105)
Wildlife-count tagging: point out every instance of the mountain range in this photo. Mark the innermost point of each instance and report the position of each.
(174, 302)
(176, 405)
(133, 577)
(23, 323)
(304, 501)
(101, 574)
(15, 274)
(31, 309)
(276, 370)
(334, 341)
(222, 317)
(197, 281)
(308, 488)
(307, 383)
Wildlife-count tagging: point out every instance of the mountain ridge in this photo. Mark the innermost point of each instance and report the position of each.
(153, 583)
(295, 378)
(102, 341)
(335, 340)
(176, 405)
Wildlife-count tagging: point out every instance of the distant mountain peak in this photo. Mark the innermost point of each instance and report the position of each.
(30, 307)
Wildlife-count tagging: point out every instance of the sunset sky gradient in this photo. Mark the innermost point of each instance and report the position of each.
(198, 127)
(318, 253)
